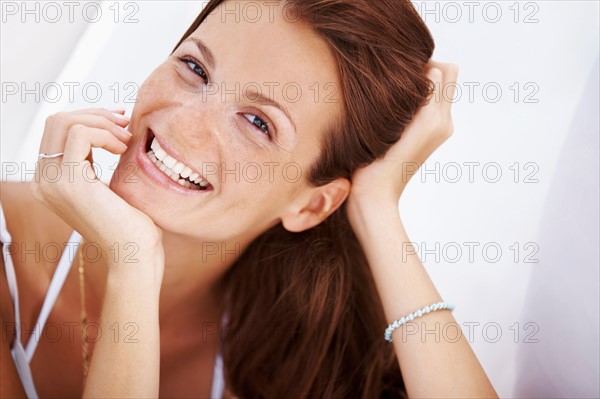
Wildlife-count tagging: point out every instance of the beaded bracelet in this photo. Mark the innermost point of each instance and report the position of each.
(397, 323)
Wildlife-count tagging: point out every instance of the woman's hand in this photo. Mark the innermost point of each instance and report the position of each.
(402, 282)
(68, 186)
(386, 178)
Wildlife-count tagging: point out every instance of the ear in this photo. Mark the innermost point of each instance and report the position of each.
(314, 207)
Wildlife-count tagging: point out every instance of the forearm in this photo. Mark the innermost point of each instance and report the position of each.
(126, 361)
(447, 368)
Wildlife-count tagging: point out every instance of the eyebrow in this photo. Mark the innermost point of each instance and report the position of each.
(210, 58)
(254, 95)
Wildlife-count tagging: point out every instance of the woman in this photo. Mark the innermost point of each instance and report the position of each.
(254, 214)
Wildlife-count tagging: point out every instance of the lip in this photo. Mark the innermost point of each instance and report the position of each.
(155, 174)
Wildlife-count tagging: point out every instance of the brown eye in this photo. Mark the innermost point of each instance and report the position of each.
(195, 67)
(259, 124)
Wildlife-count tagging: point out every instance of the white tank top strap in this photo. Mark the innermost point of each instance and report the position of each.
(218, 383)
(17, 351)
(8, 266)
(21, 356)
(58, 279)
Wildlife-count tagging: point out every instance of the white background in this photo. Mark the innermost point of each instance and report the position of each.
(534, 325)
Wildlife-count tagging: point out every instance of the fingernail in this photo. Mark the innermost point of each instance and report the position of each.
(122, 117)
(126, 131)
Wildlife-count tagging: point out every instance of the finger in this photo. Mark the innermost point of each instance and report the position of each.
(81, 139)
(55, 138)
(435, 75)
(106, 121)
(448, 84)
(116, 116)
(450, 73)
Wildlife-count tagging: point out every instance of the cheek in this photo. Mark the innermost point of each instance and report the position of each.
(254, 207)
(252, 193)
(154, 91)
(262, 178)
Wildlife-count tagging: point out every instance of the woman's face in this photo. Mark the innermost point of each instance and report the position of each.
(252, 132)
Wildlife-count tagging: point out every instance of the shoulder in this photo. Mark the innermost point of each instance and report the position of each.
(33, 228)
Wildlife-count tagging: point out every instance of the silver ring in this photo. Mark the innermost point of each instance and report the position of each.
(46, 156)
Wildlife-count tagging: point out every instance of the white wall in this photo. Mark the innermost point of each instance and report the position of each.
(544, 143)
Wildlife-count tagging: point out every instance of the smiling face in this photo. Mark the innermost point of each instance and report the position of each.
(239, 109)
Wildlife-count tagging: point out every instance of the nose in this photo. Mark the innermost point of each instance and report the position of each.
(194, 124)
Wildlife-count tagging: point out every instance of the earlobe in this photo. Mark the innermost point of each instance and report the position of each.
(320, 202)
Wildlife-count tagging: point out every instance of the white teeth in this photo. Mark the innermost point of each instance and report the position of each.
(186, 172)
(169, 161)
(175, 169)
(160, 153)
(154, 144)
(178, 168)
(187, 184)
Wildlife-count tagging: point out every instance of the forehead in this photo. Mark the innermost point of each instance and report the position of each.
(261, 48)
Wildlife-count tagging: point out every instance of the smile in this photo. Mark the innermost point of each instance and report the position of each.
(168, 170)
(175, 169)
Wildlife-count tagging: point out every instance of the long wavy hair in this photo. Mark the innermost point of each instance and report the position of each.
(305, 319)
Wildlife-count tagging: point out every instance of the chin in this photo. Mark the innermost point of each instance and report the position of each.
(141, 196)
(132, 192)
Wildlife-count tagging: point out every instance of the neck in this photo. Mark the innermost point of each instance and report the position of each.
(193, 276)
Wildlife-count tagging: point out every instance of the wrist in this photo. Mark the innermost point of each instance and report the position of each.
(364, 212)
(373, 202)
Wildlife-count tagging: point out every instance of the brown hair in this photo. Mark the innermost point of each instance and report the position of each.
(305, 317)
